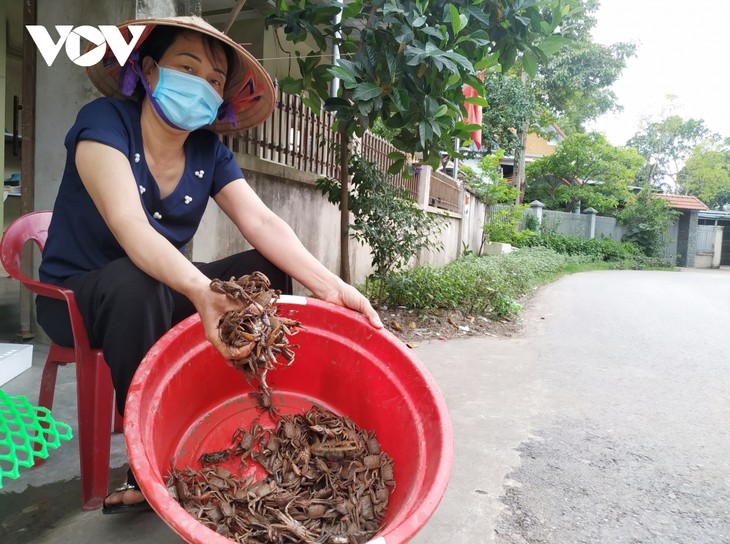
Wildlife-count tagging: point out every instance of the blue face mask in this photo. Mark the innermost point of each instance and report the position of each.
(187, 101)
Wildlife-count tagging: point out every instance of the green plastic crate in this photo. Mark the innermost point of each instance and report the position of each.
(26, 432)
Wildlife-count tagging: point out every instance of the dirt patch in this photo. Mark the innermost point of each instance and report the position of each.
(413, 326)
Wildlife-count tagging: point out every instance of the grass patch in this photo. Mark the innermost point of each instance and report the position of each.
(489, 285)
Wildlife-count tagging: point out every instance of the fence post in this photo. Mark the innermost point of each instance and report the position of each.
(592, 227)
(424, 186)
(536, 208)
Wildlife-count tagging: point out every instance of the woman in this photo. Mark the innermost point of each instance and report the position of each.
(137, 179)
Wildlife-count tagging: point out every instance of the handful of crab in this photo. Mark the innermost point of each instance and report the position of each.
(256, 324)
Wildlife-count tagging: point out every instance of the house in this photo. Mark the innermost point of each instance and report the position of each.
(537, 146)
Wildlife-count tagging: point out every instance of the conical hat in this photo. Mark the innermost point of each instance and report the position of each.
(249, 89)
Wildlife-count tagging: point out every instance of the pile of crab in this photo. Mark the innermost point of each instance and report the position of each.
(256, 325)
(327, 481)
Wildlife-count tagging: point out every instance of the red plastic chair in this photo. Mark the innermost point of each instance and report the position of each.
(95, 393)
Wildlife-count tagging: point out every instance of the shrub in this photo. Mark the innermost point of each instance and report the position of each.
(600, 249)
(393, 226)
(647, 220)
(474, 285)
(493, 285)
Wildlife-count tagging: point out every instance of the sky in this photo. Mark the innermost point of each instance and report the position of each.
(683, 50)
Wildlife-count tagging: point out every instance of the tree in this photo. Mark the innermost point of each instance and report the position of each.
(575, 83)
(665, 145)
(490, 186)
(706, 174)
(391, 224)
(570, 89)
(584, 169)
(511, 105)
(646, 220)
(405, 62)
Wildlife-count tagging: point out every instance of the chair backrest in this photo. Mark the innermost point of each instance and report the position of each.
(29, 227)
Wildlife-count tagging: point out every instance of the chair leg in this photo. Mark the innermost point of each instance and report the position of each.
(48, 387)
(48, 381)
(95, 405)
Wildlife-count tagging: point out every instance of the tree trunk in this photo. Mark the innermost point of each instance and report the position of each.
(520, 167)
(344, 209)
(520, 163)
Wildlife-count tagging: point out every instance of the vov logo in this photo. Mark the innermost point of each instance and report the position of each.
(71, 37)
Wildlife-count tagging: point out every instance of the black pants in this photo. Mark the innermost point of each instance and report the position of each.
(126, 311)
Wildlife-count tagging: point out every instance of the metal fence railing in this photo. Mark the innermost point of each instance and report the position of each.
(444, 192)
(298, 137)
(376, 149)
(294, 135)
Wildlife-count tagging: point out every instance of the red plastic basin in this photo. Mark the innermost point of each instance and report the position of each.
(185, 400)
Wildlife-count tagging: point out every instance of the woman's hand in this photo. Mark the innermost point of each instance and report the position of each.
(349, 297)
(211, 306)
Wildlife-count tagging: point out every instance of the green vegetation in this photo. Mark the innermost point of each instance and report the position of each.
(706, 174)
(647, 220)
(493, 285)
(587, 170)
(385, 219)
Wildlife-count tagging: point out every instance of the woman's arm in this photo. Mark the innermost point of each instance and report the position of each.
(274, 239)
(108, 178)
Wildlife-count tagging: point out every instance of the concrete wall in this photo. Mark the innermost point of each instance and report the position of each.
(473, 222)
(608, 227)
(568, 224)
(63, 88)
(294, 197)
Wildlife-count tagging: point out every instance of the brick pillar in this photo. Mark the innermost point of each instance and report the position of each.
(536, 208)
(693, 221)
(592, 224)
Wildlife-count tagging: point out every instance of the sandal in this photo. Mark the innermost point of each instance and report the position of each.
(121, 508)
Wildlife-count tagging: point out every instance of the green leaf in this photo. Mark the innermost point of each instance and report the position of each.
(312, 102)
(529, 62)
(335, 103)
(432, 160)
(478, 100)
(289, 85)
(401, 100)
(552, 44)
(425, 133)
(437, 33)
(461, 60)
(395, 155)
(419, 21)
(352, 9)
(366, 91)
(441, 111)
(454, 79)
(347, 78)
(396, 167)
(455, 19)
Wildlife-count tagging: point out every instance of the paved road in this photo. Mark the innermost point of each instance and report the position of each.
(606, 421)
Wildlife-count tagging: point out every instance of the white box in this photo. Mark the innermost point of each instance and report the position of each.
(14, 360)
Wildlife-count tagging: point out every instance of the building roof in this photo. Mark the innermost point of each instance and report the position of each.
(682, 202)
